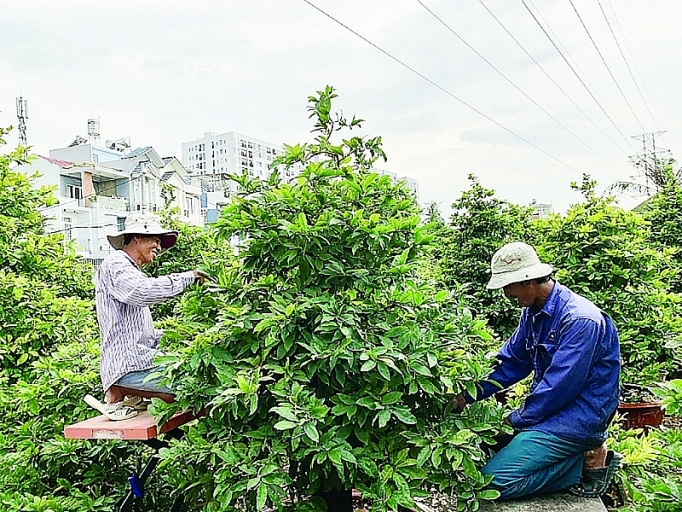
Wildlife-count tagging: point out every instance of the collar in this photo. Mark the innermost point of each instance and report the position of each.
(550, 304)
(131, 260)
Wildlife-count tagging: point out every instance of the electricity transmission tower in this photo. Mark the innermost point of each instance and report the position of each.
(651, 161)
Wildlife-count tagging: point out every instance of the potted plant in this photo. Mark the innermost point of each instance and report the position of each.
(640, 407)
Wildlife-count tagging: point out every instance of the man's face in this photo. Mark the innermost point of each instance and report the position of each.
(149, 248)
(524, 294)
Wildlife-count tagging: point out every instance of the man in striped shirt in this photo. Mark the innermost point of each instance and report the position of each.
(123, 296)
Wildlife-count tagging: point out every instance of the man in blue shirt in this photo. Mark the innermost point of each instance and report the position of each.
(571, 348)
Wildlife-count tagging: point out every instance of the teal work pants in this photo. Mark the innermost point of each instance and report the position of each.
(535, 463)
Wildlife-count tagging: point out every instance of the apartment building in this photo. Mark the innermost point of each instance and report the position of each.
(410, 183)
(215, 156)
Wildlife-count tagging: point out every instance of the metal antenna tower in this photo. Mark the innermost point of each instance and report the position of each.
(22, 115)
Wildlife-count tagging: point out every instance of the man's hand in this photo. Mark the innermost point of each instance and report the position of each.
(459, 403)
(200, 276)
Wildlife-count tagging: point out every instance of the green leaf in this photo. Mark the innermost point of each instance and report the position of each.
(382, 417)
(421, 369)
(311, 431)
(404, 415)
(368, 366)
(261, 496)
(488, 494)
(391, 398)
(286, 412)
(383, 370)
(335, 455)
(432, 359)
(285, 425)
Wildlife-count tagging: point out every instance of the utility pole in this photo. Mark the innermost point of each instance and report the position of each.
(651, 161)
(22, 115)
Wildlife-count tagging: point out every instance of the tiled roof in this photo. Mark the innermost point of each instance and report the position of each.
(166, 175)
(57, 161)
(167, 159)
(137, 152)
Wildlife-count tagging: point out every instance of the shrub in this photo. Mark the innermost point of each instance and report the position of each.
(322, 362)
(602, 252)
(479, 226)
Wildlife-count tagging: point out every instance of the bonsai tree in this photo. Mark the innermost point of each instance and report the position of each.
(664, 212)
(322, 361)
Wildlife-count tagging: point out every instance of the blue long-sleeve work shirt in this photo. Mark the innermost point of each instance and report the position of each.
(572, 349)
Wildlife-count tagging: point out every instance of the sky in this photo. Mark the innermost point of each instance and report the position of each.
(165, 72)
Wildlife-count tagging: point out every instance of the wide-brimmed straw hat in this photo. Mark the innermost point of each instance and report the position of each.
(144, 224)
(514, 263)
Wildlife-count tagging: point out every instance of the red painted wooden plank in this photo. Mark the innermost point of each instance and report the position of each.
(140, 427)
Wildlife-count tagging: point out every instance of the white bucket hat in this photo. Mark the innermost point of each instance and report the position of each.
(144, 224)
(514, 263)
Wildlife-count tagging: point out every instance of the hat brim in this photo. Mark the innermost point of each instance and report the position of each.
(501, 280)
(168, 238)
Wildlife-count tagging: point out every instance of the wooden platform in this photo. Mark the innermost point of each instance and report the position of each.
(140, 428)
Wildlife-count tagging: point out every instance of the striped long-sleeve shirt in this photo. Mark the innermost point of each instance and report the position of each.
(123, 296)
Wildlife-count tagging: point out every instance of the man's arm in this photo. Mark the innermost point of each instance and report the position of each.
(564, 378)
(130, 286)
(514, 364)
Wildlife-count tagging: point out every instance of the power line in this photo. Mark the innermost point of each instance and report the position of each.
(406, 66)
(626, 63)
(570, 57)
(516, 86)
(620, 29)
(606, 65)
(576, 74)
(549, 77)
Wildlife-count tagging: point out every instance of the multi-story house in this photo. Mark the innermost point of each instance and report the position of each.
(98, 187)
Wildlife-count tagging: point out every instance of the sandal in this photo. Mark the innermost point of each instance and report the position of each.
(135, 402)
(596, 482)
(114, 412)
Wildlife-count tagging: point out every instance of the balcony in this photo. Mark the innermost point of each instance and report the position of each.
(82, 244)
(110, 203)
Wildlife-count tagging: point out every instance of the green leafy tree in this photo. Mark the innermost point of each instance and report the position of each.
(664, 212)
(321, 360)
(603, 252)
(480, 225)
(48, 362)
(44, 287)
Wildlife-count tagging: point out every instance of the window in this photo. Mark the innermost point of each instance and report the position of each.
(121, 223)
(68, 225)
(74, 192)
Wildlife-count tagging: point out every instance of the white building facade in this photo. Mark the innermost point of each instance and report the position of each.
(97, 188)
(214, 156)
(410, 183)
